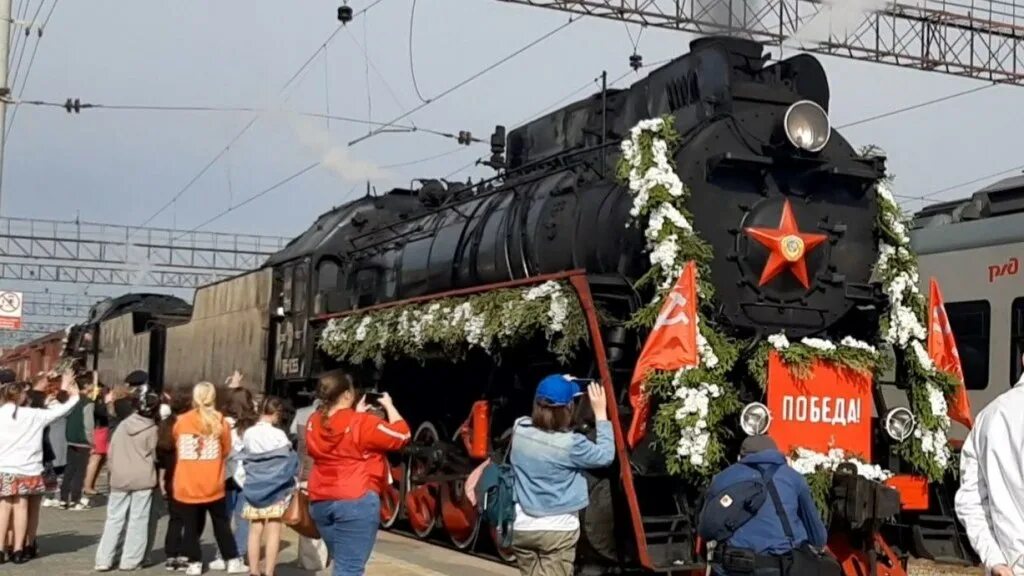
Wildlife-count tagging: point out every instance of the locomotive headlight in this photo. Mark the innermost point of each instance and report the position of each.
(755, 419)
(899, 424)
(807, 126)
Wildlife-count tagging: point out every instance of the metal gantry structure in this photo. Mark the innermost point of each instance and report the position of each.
(981, 39)
(50, 251)
(57, 305)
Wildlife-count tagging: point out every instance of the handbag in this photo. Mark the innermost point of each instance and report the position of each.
(297, 516)
(804, 559)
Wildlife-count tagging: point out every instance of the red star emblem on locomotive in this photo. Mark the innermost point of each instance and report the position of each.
(788, 246)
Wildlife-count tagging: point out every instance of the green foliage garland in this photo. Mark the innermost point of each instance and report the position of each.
(692, 404)
(450, 326)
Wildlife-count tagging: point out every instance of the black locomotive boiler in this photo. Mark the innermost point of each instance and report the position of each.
(755, 144)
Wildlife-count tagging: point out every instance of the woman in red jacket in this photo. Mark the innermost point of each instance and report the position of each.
(345, 442)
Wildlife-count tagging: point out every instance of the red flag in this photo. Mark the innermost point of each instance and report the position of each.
(942, 349)
(671, 345)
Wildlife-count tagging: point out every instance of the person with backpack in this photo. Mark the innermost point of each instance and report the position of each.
(545, 474)
(759, 518)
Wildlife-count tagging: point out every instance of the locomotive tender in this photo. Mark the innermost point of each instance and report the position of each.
(756, 146)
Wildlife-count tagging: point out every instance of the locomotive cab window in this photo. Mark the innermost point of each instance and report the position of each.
(971, 323)
(1016, 339)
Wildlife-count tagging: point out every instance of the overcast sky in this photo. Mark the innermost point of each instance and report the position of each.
(120, 166)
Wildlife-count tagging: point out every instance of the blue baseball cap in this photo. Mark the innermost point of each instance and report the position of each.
(558, 390)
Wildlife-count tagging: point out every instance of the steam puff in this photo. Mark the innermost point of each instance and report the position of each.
(335, 158)
(838, 19)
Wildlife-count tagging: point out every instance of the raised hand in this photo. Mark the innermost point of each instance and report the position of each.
(235, 380)
(598, 401)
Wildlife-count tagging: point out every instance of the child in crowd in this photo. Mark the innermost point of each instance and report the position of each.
(101, 436)
(203, 442)
(133, 477)
(271, 467)
(179, 402)
(239, 411)
(79, 434)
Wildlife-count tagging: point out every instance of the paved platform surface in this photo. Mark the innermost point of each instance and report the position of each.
(68, 545)
(68, 541)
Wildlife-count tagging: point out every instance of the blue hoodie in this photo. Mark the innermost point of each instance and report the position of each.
(269, 476)
(764, 533)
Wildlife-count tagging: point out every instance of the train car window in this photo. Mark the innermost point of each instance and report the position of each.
(971, 324)
(1016, 339)
(326, 281)
(299, 286)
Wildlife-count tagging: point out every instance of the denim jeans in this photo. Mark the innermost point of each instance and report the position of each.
(128, 514)
(349, 528)
(235, 503)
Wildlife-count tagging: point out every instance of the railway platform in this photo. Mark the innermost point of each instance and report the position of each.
(68, 543)
(68, 540)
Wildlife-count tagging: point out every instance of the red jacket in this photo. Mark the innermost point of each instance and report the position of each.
(347, 453)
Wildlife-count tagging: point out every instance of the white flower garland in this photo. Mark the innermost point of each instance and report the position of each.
(807, 462)
(663, 253)
(693, 442)
(779, 341)
(665, 231)
(375, 334)
(906, 330)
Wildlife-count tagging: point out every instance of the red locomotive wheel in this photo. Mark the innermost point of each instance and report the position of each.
(391, 498)
(460, 518)
(421, 501)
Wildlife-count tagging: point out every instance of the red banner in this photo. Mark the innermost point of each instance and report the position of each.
(829, 409)
(942, 349)
(671, 345)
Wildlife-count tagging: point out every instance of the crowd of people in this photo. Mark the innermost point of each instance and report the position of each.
(217, 454)
(204, 453)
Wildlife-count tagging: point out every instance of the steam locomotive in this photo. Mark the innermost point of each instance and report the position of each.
(756, 149)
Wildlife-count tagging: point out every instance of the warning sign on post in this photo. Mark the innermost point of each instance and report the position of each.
(10, 310)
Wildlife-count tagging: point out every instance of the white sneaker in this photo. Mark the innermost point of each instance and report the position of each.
(194, 569)
(51, 503)
(236, 566)
(218, 564)
(100, 568)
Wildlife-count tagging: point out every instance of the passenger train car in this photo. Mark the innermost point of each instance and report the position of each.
(975, 249)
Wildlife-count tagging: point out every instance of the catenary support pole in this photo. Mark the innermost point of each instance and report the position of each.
(5, 90)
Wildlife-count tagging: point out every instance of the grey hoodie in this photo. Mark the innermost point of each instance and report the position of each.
(132, 455)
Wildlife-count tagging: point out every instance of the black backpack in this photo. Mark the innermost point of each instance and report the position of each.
(724, 513)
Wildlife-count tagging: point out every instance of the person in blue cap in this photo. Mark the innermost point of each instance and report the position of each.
(548, 460)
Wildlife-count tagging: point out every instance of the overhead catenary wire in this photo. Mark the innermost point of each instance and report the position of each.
(14, 40)
(13, 80)
(412, 64)
(466, 81)
(387, 85)
(233, 109)
(424, 159)
(976, 180)
(250, 199)
(305, 66)
(366, 68)
(560, 101)
(28, 70)
(915, 106)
